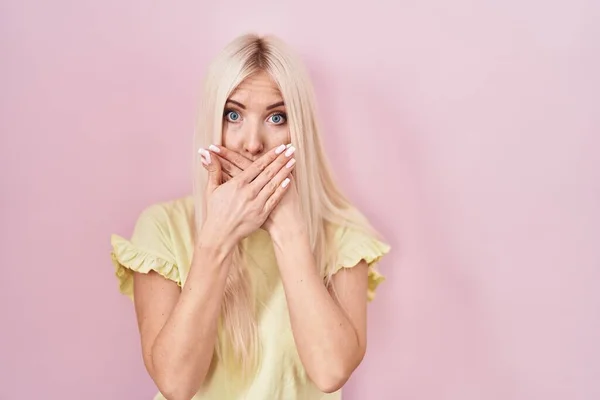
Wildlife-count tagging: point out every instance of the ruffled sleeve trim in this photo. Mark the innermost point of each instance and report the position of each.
(369, 249)
(128, 259)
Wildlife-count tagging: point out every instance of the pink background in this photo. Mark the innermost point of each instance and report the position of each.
(468, 132)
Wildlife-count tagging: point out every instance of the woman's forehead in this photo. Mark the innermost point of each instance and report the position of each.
(259, 88)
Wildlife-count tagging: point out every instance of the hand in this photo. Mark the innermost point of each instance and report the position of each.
(286, 216)
(240, 205)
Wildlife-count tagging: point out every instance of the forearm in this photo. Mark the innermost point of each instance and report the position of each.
(183, 350)
(327, 341)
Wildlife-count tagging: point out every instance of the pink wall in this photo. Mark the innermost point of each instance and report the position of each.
(468, 132)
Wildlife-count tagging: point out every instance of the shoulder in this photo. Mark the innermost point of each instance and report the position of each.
(157, 221)
(357, 243)
(155, 243)
(166, 213)
(159, 226)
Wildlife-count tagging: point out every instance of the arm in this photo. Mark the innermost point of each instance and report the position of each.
(329, 327)
(178, 328)
(330, 334)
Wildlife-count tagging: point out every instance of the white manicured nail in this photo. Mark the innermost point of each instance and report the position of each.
(288, 145)
(280, 149)
(290, 163)
(214, 148)
(290, 151)
(285, 182)
(205, 155)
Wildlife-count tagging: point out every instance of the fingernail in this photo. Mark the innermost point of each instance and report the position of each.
(205, 155)
(280, 149)
(288, 145)
(203, 161)
(214, 148)
(290, 163)
(285, 182)
(290, 151)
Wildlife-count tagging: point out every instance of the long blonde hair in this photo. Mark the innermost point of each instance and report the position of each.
(323, 204)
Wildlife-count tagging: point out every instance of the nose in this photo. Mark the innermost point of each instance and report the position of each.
(254, 143)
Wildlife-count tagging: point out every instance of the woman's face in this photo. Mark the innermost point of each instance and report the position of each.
(254, 119)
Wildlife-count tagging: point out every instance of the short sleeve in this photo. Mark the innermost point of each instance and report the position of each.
(149, 249)
(355, 246)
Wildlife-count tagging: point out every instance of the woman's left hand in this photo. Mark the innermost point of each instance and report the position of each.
(285, 220)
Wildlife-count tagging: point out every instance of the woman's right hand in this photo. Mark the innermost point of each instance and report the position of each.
(241, 205)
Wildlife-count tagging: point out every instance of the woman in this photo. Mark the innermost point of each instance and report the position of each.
(255, 287)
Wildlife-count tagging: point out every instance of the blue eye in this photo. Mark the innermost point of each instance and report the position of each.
(232, 116)
(278, 118)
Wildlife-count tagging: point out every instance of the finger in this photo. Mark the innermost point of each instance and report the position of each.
(232, 156)
(213, 165)
(277, 195)
(284, 161)
(228, 167)
(259, 165)
(278, 180)
(225, 176)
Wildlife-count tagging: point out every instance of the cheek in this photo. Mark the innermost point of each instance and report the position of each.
(279, 136)
(230, 139)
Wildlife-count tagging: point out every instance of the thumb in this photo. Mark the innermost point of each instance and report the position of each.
(213, 166)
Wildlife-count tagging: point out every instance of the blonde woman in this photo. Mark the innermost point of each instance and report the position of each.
(255, 287)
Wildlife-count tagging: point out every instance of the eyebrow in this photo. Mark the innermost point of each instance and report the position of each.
(280, 103)
(237, 103)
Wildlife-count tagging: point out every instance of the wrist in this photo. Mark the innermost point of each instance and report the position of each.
(283, 237)
(210, 261)
(214, 242)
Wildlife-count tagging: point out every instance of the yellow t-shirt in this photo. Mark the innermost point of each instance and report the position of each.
(162, 241)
